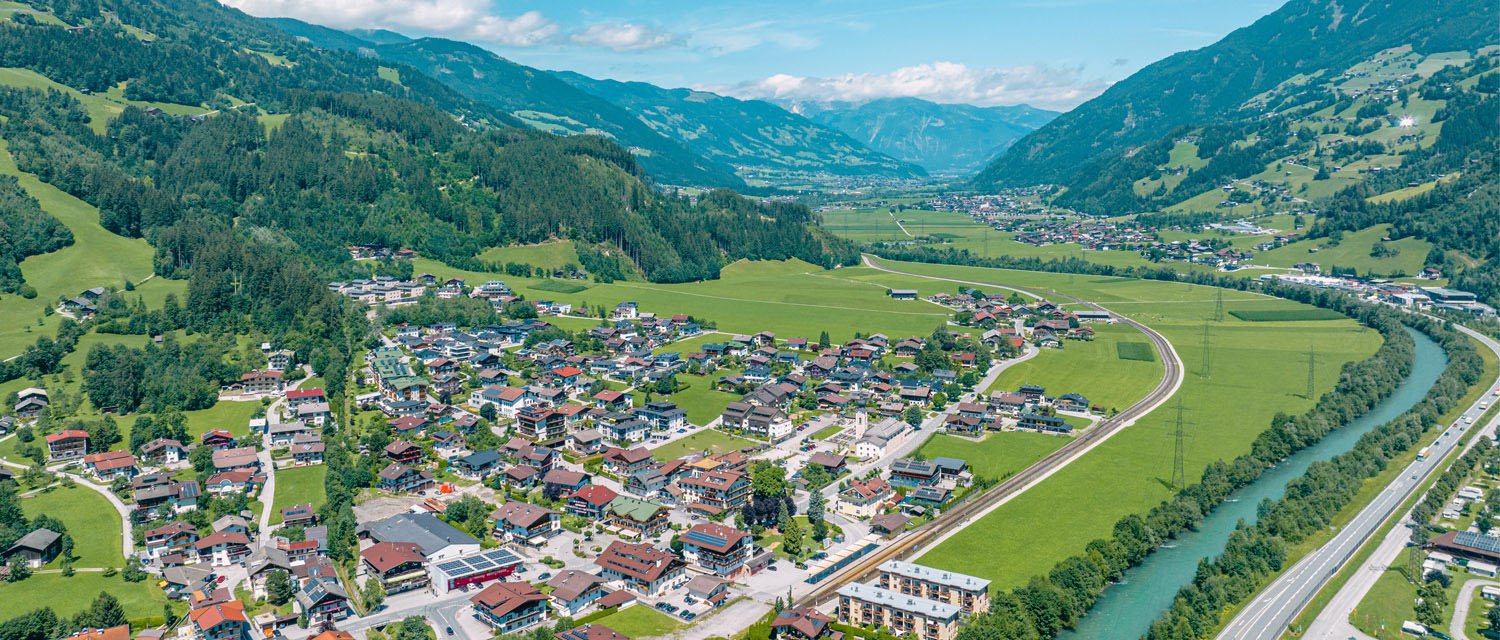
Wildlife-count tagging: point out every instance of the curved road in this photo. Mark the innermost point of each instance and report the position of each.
(1273, 609)
(966, 512)
(1461, 606)
(127, 536)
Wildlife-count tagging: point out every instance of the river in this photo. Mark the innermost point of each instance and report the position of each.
(1126, 610)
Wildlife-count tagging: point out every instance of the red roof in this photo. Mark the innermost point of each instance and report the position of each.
(298, 394)
(567, 372)
(596, 495)
(213, 616)
(67, 434)
(384, 556)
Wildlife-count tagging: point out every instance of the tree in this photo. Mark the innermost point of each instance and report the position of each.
(104, 613)
(912, 415)
(815, 507)
(823, 340)
(374, 593)
(792, 537)
(279, 589)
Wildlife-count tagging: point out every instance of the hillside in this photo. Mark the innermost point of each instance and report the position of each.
(1204, 86)
(943, 138)
(757, 138)
(535, 97)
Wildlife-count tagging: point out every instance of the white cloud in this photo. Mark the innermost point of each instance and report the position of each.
(720, 41)
(948, 82)
(624, 36)
(474, 20)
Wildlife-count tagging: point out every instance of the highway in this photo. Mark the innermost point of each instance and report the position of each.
(1273, 609)
(970, 510)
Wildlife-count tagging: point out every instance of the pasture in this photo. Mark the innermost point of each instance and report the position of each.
(1094, 369)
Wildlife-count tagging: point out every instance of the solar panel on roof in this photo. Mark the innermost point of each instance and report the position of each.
(1477, 541)
(703, 538)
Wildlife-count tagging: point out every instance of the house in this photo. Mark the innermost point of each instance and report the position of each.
(641, 567)
(508, 607)
(540, 424)
(403, 452)
(399, 566)
(625, 432)
(299, 515)
(322, 600)
(864, 498)
(525, 523)
(308, 452)
(262, 382)
(398, 478)
(67, 444)
(36, 549)
(717, 548)
(907, 472)
(223, 548)
(624, 462)
(833, 463)
(280, 359)
(30, 402)
(803, 623)
(561, 482)
(586, 442)
(636, 517)
(611, 400)
(881, 439)
(236, 459)
(647, 483)
(316, 413)
(707, 588)
(220, 621)
(574, 590)
(767, 422)
(217, 439)
(298, 397)
(176, 537)
(969, 593)
(164, 451)
(121, 632)
(872, 607)
(590, 501)
(1044, 423)
(477, 465)
(662, 415)
(109, 465)
(722, 490)
(437, 540)
(230, 482)
(1071, 402)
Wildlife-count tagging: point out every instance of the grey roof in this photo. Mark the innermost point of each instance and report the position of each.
(38, 540)
(899, 601)
(935, 576)
(187, 575)
(423, 529)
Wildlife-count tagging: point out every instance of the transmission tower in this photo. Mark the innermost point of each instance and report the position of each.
(1179, 454)
(1205, 370)
(1218, 305)
(1312, 371)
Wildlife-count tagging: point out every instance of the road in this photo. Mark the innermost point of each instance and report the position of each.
(966, 512)
(1267, 616)
(127, 536)
(273, 416)
(1461, 606)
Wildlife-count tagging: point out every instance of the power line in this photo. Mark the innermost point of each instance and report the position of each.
(1218, 305)
(1179, 457)
(1312, 371)
(1205, 371)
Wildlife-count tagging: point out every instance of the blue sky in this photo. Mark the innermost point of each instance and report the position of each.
(1049, 53)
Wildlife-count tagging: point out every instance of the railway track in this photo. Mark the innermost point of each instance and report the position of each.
(914, 541)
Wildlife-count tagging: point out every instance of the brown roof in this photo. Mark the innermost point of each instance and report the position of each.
(713, 530)
(223, 537)
(597, 495)
(805, 620)
(639, 561)
(384, 556)
(501, 598)
(571, 583)
(212, 616)
(616, 598)
(522, 514)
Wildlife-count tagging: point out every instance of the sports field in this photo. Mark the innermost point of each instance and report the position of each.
(1254, 372)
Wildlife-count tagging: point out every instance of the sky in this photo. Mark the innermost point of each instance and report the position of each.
(1052, 54)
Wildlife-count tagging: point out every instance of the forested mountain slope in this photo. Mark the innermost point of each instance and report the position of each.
(1204, 86)
(537, 97)
(946, 138)
(756, 137)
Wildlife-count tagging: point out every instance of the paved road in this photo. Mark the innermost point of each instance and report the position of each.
(1461, 606)
(1267, 616)
(273, 416)
(967, 511)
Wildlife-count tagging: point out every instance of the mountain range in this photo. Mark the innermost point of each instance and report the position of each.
(954, 139)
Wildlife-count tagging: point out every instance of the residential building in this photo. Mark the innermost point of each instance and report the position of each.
(969, 593)
(864, 498)
(803, 623)
(399, 478)
(67, 444)
(525, 523)
(721, 490)
(717, 548)
(871, 607)
(642, 567)
(221, 621)
(574, 590)
(36, 549)
(399, 566)
(508, 607)
(591, 501)
(636, 517)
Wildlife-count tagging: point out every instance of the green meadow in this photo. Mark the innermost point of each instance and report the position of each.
(1254, 372)
(298, 485)
(1093, 369)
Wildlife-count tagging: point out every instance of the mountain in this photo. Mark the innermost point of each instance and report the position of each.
(1203, 86)
(943, 138)
(756, 137)
(536, 97)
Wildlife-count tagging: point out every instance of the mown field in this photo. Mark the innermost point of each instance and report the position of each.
(298, 485)
(1255, 372)
(547, 255)
(999, 455)
(1094, 369)
(710, 440)
(1353, 251)
(89, 518)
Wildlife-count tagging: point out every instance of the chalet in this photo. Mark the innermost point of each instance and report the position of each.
(641, 567)
(624, 462)
(109, 465)
(525, 524)
(239, 458)
(217, 439)
(36, 549)
(299, 515)
(165, 498)
(1071, 402)
(833, 463)
(562, 482)
(478, 465)
(625, 432)
(662, 415)
(233, 482)
(648, 482)
(297, 397)
(262, 382)
(399, 566)
(636, 517)
(403, 452)
(398, 478)
(803, 623)
(322, 600)
(520, 476)
(717, 548)
(222, 621)
(410, 426)
(1007, 402)
(586, 441)
(67, 444)
(574, 590)
(284, 433)
(540, 424)
(30, 402)
(308, 452)
(722, 490)
(864, 498)
(1045, 423)
(164, 451)
(612, 400)
(223, 548)
(508, 607)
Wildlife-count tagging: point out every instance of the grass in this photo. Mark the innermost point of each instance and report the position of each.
(1255, 373)
(96, 258)
(559, 286)
(1285, 315)
(826, 432)
(1000, 455)
(711, 440)
(95, 543)
(639, 621)
(546, 255)
(1353, 251)
(699, 398)
(389, 74)
(1138, 351)
(67, 596)
(298, 485)
(1094, 369)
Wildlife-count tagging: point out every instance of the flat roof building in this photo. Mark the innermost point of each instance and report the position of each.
(966, 592)
(871, 607)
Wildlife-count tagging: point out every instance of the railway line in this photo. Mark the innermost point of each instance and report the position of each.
(966, 512)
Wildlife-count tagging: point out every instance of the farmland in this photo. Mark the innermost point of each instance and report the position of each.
(1094, 369)
(1254, 373)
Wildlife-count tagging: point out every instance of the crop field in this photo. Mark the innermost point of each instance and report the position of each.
(1285, 315)
(1138, 351)
(791, 298)
(1254, 372)
(298, 485)
(1094, 369)
(999, 455)
(96, 542)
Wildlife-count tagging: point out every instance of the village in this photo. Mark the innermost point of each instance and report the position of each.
(523, 473)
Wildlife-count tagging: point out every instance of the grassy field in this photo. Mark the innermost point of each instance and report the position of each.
(1353, 252)
(1285, 315)
(69, 595)
(699, 398)
(999, 456)
(1094, 369)
(711, 440)
(96, 258)
(298, 485)
(547, 255)
(1255, 372)
(640, 621)
(96, 542)
(791, 298)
